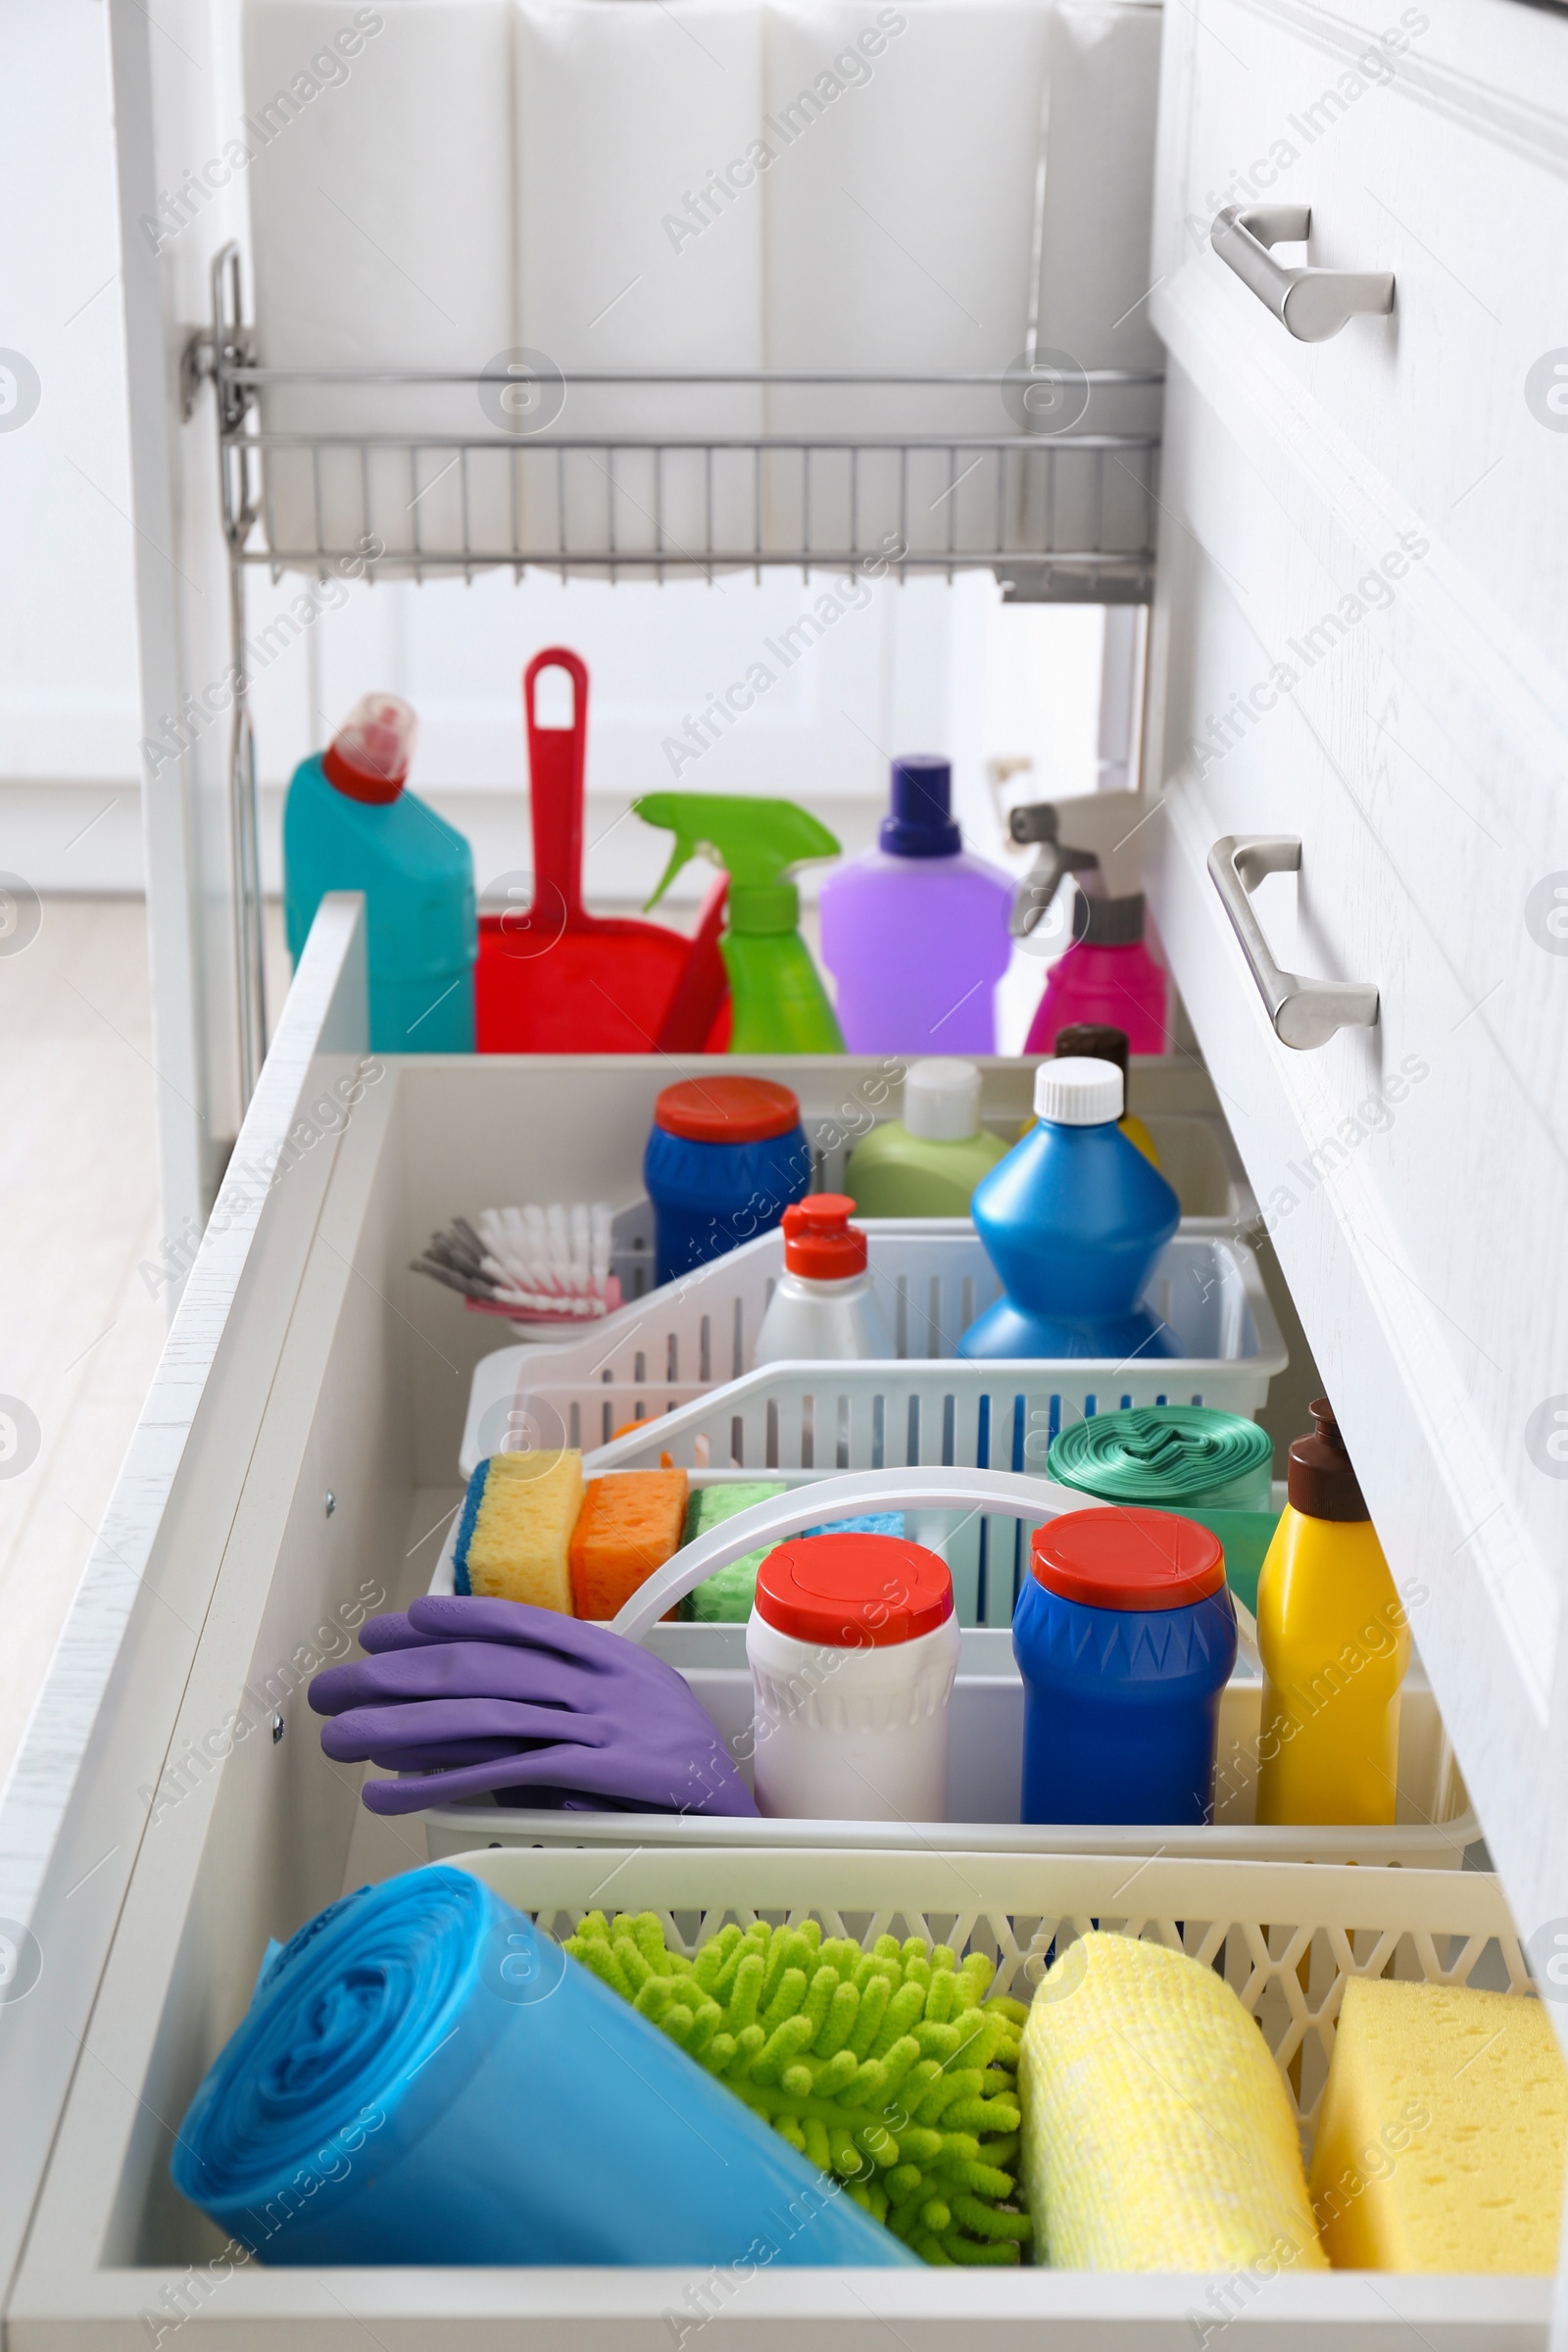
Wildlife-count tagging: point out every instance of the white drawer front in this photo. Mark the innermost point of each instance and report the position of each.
(1345, 660)
(1429, 139)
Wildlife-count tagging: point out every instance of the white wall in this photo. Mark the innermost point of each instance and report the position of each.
(69, 716)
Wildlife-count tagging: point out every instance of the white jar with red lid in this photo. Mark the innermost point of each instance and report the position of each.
(853, 1643)
(823, 1304)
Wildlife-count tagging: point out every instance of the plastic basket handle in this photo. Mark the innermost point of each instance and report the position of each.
(1004, 1494)
(557, 759)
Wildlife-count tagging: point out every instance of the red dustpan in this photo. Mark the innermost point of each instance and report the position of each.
(555, 979)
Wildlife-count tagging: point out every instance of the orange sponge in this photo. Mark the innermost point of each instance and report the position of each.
(629, 1525)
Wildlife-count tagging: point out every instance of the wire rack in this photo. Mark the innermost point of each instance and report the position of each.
(1045, 476)
(1047, 480)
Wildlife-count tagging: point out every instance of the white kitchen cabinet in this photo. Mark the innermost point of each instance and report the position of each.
(1412, 1173)
(1353, 650)
(203, 1815)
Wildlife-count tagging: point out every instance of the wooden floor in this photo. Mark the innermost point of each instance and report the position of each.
(80, 1328)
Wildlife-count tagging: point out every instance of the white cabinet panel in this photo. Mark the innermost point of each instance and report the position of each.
(1344, 658)
(1430, 141)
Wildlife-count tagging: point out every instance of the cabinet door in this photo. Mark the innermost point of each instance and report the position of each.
(1360, 647)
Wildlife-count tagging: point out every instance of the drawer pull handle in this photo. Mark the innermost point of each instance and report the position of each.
(1305, 1012)
(1314, 304)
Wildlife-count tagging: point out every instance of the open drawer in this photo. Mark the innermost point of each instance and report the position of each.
(1286, 1937)
(174, 1809)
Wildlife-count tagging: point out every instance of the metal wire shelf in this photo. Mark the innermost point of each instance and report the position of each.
(1064, 514)
(1059, 515)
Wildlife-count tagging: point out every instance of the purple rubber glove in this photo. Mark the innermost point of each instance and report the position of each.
(466, 1698)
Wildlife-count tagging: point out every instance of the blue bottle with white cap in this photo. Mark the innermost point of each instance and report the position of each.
(1073, 1221)
(914, 932)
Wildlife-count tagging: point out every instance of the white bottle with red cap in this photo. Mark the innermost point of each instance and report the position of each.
(853, 1642)
(824, 1304)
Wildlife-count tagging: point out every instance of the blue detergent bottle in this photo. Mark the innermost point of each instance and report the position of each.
(349, 824)
(1073, 1221)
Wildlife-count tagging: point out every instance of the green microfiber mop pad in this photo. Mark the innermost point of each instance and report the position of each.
(892, 2055)
(725, 1598)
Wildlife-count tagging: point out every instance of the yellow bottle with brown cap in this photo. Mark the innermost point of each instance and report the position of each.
(1335, 1642)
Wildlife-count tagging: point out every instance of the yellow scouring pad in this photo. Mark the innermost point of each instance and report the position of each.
(514, 1536)
(1157, 2135)
(1441, 2135)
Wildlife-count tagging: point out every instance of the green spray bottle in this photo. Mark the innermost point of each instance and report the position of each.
(778, 1000)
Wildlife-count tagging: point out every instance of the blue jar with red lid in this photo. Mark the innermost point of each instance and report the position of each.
(725, 1160)
(1125, 1636)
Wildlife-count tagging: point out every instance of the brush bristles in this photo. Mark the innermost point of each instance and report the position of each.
(550, 1260)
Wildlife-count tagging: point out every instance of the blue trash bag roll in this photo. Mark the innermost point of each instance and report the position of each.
(423, 2076)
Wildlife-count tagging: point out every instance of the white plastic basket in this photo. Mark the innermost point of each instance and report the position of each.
(681, 1355)
(1285, 1937)
(1432, 1826)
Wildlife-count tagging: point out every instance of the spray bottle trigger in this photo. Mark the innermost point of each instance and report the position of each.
(679, 856)
(662, 809)
(1040, 885)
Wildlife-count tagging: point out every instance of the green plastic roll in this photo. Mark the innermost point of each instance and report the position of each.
(1178, 1457)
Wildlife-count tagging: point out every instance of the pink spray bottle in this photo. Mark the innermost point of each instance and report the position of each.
(1107, 974)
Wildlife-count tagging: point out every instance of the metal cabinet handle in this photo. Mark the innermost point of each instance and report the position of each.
(1305, 1012)
(1314, 304)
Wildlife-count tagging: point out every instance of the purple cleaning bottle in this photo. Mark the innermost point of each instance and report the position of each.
(915, 931)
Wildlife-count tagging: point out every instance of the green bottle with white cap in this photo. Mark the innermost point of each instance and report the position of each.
(927, 1163)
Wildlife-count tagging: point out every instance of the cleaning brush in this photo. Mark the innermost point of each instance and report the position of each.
(533, 1264)
(889, 2059)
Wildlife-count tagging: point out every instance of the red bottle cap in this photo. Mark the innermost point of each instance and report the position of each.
(853, 1591)
(820, 1241)
(726, 1110)
(368, 758)
(1126, 1558)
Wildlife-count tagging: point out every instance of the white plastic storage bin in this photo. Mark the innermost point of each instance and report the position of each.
(1196, 1157)
(920, 1411)
(682, 1356)
(1433, 1828)
(1285, 1938)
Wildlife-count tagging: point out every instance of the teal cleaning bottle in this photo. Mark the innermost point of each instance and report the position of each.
(348, 824)
(780, 1005)
(1073, 1221)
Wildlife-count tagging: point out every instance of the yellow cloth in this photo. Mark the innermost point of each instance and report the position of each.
(1157, 2135)
(1442, 2132)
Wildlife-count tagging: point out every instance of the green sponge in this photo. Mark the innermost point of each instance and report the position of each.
(725, 1598)
(886, 2059)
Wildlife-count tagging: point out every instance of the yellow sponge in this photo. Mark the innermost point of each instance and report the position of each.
(1157, 2135)
(514, 1536)
(1442, 2132)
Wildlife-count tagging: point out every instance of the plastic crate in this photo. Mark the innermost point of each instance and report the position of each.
(1433, 1827)
(1285, 1937)
(681, 1356)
